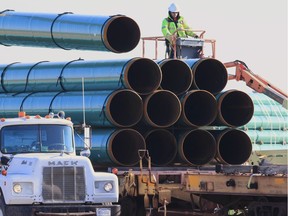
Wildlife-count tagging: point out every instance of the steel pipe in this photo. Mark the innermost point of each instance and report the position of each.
(209, 74)
(270, 110)
(235, 108)
(233, 146)
(268, 137)
(266, 123)
(139, 74)
(117, 34)
(199, 108)
(112, 147)
(177, 76)
(196, 147)
(161, 145)
(121, 108)
(162, 109)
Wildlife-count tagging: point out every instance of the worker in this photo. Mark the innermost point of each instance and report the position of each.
(173, 23)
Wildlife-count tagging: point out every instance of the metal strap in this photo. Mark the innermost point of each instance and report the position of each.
(51, 29)
(3, 74)
(21, 107)
(28, 74)
(51, 102)
(60, 78)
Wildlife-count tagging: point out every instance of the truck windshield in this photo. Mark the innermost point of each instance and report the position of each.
(36, 138)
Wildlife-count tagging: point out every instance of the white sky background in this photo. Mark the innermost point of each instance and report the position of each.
(253, 31)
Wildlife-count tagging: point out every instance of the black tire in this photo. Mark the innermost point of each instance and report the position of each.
(128, 206)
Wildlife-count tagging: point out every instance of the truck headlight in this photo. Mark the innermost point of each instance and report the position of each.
(108, 187)
(23, 188)
(17, 188)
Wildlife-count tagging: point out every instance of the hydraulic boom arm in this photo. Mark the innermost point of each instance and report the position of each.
(256, 82)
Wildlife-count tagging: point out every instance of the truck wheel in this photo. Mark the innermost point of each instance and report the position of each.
(2, 205)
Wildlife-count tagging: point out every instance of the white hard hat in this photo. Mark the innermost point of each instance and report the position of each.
(174, 8)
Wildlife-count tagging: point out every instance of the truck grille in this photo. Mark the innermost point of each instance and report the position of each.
(63, 184)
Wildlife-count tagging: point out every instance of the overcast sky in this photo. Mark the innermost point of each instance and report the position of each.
(253, 31)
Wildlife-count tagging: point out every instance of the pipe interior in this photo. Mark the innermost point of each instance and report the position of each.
(144, 76)
(199, 147)
(237, 108)
(210, 75)
(235, 147)
(200, 108)
(126, 108)
(125, 146)
(176, 76)
(164, 108)
(162, 147)
(123, 34)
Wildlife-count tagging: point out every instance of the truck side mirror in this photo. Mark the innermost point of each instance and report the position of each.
(4, 160)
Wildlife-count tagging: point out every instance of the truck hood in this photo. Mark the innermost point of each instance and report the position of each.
(30, 163)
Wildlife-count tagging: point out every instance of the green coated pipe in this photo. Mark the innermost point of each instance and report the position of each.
(269, 110)
(268, 136)
(177, 76)
(235, 108)
(209, 74)
(233, 146)
(266, 123)
(196, 147)
(121, 108)
(139, 74)
(69, 31)
(113, 147)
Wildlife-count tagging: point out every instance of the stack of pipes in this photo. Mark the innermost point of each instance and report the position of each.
(268, 127)
(173, 108)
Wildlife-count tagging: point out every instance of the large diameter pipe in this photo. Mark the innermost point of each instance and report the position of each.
(114, 147)
(177, 76)
(270, 110)
(196, 147)
(121, 108)
(117, 34)
(162, 109)
(209, 74)
(234, 146)
(139, 74)
(235, 108)
(161, 145)
(267, 123)
(199, 108)
(272, 137)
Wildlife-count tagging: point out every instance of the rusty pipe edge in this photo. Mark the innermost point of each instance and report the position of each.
(124, 108)
(161, 145)
(162, 109)
(234, 146)
(143, 75)
(123, 146)
(235, 108)
(196, 147)
(209, 74)
(177, 76)
(120, 34)
(199, 108)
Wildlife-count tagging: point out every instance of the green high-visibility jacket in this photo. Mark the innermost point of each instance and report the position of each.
(169, 27)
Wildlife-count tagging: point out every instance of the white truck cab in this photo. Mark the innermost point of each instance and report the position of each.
(42, 175)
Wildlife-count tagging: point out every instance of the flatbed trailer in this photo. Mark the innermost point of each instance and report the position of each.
(211, 190)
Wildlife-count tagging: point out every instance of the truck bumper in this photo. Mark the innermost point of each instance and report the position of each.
(63, 210)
